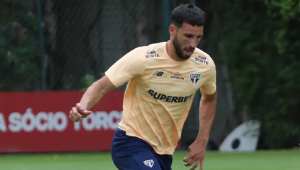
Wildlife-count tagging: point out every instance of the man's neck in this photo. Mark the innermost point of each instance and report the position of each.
(171, 51)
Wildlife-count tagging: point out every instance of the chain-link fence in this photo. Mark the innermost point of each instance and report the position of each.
(19, 46)
(66, 45)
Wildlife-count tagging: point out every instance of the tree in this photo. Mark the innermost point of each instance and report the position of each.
(260, 45)
(18, 46)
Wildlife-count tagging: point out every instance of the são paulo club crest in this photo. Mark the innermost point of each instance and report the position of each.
(195, 77)
(149, 163)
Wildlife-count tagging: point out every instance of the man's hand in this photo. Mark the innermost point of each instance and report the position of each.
(78, 113)
(196, 155)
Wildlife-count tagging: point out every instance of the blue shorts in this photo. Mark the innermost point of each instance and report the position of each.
(132, 153)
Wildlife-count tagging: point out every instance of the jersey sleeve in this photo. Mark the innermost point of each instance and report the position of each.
(209, 87)
(127, 67)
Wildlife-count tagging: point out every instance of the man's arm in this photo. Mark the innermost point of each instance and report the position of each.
(207, 113)
(95, 92)
(127, 67)
(90, 98)
(208, 104)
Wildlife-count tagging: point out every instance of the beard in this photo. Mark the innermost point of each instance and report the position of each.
(179, 50)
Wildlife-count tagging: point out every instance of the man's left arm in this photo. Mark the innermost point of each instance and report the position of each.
(208, 102)
(207, 111)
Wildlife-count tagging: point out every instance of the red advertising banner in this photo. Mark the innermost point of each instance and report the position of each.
(39, 122)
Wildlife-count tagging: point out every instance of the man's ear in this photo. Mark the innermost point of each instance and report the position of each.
(172, 30)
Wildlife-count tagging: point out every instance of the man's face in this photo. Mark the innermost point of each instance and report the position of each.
(185, 39)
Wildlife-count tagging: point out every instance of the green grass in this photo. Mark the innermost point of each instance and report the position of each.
(269, 160)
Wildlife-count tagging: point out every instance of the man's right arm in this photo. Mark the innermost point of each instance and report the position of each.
(90, 98)
(127, 67)
(130, 65)
(95, 92)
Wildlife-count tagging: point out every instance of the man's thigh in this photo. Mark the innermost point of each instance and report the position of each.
(130, 153)
(165, 161)
(138, 161)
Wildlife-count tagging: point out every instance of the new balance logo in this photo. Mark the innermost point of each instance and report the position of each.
(159, 73)
(149, 163)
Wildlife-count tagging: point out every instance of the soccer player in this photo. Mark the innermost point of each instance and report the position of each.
(162, 81)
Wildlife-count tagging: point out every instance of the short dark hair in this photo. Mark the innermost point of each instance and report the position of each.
(188, 13)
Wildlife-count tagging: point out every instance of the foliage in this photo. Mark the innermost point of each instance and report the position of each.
(261, 48)
(18, 46)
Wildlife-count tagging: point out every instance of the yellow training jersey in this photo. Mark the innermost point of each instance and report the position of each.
(160, 91)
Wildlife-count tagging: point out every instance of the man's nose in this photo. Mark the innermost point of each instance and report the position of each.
(193, 43)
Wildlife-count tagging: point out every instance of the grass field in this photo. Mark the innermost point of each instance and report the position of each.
(270, 160)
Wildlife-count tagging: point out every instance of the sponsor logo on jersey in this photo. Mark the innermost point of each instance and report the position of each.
(167, 98)
(149, 163)
(202, 59)
(195, 77)
(151, 54)
(177, 76)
